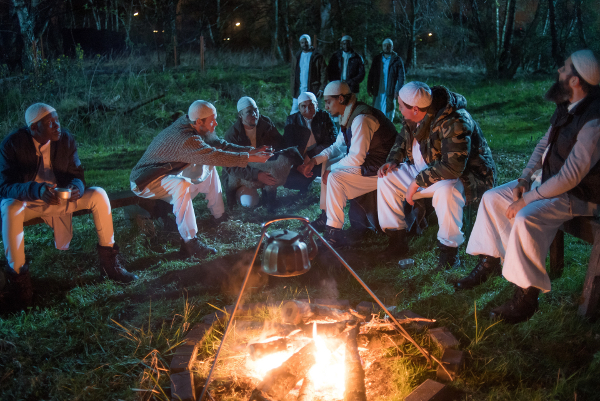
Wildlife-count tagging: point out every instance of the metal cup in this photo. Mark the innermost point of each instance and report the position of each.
(63, 193)
(406, 263)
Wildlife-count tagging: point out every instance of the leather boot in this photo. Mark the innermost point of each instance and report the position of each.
(397, 246)
(448, 257)
(197, 248)
(486, 267)
(111, 264)
(335, 237)
(520, 308)
(320, 222)
(19, 287)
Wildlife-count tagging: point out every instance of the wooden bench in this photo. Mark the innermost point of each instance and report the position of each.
(587, 229)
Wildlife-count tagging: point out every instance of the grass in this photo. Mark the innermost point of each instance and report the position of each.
(87, 339)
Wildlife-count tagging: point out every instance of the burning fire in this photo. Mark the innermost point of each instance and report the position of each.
(327, 374)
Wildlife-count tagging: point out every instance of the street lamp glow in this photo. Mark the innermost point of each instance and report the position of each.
(237, 24)
(135, 14)
(430, 34)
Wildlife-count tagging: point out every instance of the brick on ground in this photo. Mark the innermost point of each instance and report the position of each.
(182, 386)
(453, 361)
(197, 333)
(443, 337)
(180, 363)
(429, 390)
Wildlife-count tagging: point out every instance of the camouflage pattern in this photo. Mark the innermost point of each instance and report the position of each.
(452, 145)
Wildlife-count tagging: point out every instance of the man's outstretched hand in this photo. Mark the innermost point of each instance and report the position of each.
(307, 168)
(264, 148)
(259, 157)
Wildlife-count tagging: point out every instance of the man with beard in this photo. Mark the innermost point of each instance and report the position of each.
(385, 79)
(346, 65)
(310, 73)
(180, 163)
(255, 130)
(517, 221)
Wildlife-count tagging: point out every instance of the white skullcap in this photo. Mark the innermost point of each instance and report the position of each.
(388, 40)
(304, 96)
(36, 112)
(244, 102)
(335, 88)
(346, 37)
(586, 65)
(305, 36)
(201, 109)
(416, 93)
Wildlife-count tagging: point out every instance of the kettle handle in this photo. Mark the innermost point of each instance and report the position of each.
(312, 245)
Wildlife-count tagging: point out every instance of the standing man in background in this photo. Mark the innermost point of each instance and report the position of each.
(346, 65)
(386, 77)
(309, 72)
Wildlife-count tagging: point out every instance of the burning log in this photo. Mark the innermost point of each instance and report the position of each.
(355, 375)
(307, 391)
(296, 312)
(326, 329)
(280, 381)
(258, 350)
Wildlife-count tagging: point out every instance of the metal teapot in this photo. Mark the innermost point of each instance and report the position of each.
(286, 253)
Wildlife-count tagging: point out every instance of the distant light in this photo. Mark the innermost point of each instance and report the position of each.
(163, 31)
(237, 24)
(135, 14)
(430, 34)
(155, 31)
(226, 39)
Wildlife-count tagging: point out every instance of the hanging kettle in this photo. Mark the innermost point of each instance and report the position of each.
(286, 253)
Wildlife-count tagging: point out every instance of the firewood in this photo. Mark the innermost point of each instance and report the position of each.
(281, 380)
(259, 350)
(325, 329)
(389, 326)
(296, 312)
(355, 375)
(307, 391)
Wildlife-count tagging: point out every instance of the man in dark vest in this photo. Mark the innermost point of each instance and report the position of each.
(310, 72)
(517, 221)
(368, 137)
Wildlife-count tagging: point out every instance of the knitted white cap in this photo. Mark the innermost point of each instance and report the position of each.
(416, 93)
(305, 36)
(586, 65)
(304, 96)
(388, 40)
(201, 109)
(36, 112)
(335, 88)
(346, 37)
(244, 102)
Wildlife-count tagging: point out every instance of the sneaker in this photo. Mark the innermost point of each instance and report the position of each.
(486, 267)
(520, 308)
(197, 248)
(111, 264)
(321, 222)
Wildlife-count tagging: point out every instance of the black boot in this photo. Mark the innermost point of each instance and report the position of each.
(520, 308)
(197, 248)
(448, 257)
(397, 246)
(335, 237)
(19, 287)
(486, 267)
(111, 264)
(321, 222)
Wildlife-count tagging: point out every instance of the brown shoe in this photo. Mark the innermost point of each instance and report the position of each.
(486, 267)
(520, 308)
(197, 248)
(111, 264)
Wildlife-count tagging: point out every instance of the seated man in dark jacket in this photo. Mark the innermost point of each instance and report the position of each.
(311, 130)
(34, 161)
(251, 129)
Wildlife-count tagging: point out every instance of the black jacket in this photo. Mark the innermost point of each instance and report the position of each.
(355, 73)
(296, 133)
(19, 165)
(266, 134)
(395, 76)
(317, 73)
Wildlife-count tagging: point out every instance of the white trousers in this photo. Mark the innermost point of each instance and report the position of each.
(381, 104)
(179, 191)
(523, 242)
(448, 202)
(343, 185)
(16, 212)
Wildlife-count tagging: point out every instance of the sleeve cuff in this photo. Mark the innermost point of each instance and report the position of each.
(319, 159)
(531, 196)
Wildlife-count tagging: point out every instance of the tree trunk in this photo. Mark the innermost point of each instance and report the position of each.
(507, 58)
(275, 49)
(579, 22)
(27, 23)
(556, 56)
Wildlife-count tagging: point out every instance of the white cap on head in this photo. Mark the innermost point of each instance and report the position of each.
(416, 93)
(388, 40)
(36, 112)
(201, 109)
(346, 37)
(244, 102)
(586, 65)
(304, 96)
(335, 88)
(305, 36)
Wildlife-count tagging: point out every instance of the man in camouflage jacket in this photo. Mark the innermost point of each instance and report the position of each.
(441, 154)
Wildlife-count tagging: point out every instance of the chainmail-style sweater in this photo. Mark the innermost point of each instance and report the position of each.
(180, 145)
